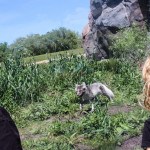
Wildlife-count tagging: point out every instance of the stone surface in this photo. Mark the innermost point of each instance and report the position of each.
(105, 18)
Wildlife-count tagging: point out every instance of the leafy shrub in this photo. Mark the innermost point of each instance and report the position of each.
(57, 40)
(20, 80)
(4, 50)
(130, 43)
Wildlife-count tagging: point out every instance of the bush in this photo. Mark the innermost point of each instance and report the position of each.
(3, 51)
(130, 43)
(21, 82)
(57, 40)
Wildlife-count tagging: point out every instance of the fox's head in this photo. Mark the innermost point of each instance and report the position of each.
(80, 89)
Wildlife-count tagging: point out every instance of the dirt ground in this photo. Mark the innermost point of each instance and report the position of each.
(112, 110)
(131, 144)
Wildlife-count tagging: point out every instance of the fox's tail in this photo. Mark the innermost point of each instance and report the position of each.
(106, 91)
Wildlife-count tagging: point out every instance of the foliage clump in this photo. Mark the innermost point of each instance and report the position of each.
(56, 40)
(130, 43)
(4, 51)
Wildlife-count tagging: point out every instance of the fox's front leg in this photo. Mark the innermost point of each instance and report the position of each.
(81, 107)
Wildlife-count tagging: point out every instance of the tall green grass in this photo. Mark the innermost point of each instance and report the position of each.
(53, 55)
(23, 83)
(36, 92)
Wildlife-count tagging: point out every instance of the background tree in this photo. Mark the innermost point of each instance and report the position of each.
(3, 51)
(57, 40)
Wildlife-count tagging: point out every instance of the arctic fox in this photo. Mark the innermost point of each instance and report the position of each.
(89, 92)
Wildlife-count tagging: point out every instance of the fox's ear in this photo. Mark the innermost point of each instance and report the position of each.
(83, 83)
(76, 85)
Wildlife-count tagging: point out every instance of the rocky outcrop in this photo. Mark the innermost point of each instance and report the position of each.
(105, 18)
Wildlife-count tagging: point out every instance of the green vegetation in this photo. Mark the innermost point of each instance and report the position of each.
(3, 51)
(57, 40)
(42, 101)
(45, 107)
(54, 55)
(131, 43)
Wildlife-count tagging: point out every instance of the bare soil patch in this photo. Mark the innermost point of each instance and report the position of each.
(133, 143)
(112, 110)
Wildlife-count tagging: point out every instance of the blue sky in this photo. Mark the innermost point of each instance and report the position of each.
(19, 18)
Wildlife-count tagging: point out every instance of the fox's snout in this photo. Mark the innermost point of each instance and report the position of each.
(79, 93)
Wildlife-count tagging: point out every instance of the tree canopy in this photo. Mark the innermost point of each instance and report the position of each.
(54, 41)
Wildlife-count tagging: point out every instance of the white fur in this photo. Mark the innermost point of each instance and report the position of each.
(108, 93)
(89, 92)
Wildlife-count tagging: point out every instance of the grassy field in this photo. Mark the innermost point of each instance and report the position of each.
(53, 55)
(42, 101)
(45, 107)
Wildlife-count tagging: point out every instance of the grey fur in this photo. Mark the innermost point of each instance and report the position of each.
(89, 92)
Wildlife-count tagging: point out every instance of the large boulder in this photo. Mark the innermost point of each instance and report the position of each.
(105, 18)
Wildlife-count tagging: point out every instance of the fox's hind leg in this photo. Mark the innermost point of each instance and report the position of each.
(92, 110)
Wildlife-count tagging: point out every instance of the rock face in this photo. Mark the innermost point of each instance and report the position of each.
(105, 18)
